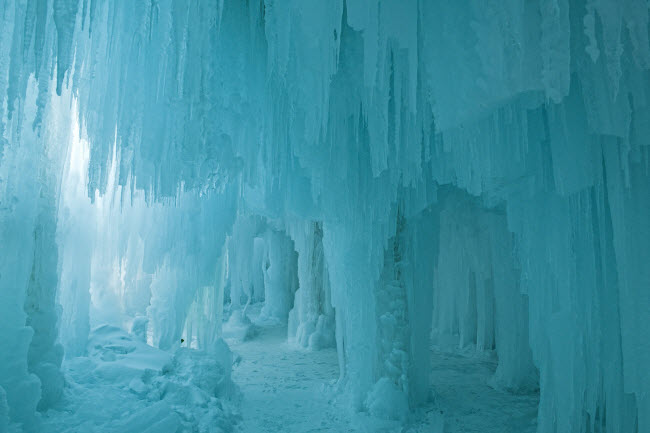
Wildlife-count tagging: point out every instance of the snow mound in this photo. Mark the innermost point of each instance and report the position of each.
(387, 401)
(126, 386)
(239, 327)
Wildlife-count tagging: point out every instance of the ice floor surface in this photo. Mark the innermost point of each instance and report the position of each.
(469, 404)
(285, 389)
(292, 390)
(127, 386)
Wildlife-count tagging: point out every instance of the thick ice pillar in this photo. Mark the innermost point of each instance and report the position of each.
(382, 295)
(45, 353)
(166, 312)
(516, 371)
(30, 169)
(349, 261)
(245, 262)
(403, 302)
(311, 321)
(419, 250)
(280, 269)
(627, 198)
(205, 317)
(17, 222)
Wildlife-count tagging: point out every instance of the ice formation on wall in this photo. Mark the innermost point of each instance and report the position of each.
(461, 166)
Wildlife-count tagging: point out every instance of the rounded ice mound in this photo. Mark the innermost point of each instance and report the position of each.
(127, 386)
(207, 370)
(387, 401)
(139, 328)
(239, 327)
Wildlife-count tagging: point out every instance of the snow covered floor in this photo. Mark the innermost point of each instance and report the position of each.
(286, 389)
(469, 404)
(290, 390)
(125, 386)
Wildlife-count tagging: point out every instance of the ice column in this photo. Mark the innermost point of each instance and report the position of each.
(311, 321)
(280, 270)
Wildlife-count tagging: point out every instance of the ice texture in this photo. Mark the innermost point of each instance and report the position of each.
(375, 172)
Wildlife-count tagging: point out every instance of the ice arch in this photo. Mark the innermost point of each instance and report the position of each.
(347, 116)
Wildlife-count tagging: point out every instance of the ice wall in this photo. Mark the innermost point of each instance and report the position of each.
(350, 115)
(31, 358)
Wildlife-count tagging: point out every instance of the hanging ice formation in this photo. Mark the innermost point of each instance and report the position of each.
(377, 171)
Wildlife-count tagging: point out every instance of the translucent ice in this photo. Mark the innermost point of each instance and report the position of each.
(374, 172)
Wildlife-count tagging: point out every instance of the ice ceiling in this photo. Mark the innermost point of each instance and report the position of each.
(473, 169)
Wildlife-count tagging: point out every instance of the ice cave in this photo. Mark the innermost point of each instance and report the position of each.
(295, 216)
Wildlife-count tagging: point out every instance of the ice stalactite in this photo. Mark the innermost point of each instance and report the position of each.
(65, 17)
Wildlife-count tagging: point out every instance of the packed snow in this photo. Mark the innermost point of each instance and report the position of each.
(127, 386)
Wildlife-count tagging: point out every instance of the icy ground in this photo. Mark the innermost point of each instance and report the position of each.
(291, 390)
(469, 404)
(126, 386)
(285, 389)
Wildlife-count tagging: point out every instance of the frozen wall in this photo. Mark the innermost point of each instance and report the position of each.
(349, 115)
(31, 358)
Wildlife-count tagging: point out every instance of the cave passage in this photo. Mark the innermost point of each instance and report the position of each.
(324, 215)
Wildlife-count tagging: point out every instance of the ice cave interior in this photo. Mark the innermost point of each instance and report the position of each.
(324, 215)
